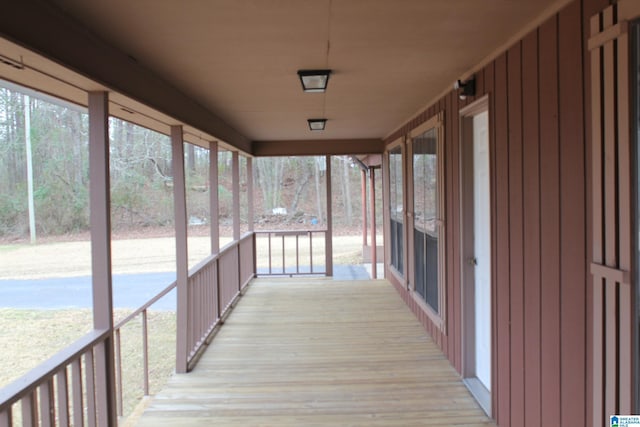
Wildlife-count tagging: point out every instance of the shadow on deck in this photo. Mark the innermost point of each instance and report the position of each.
(318, 352)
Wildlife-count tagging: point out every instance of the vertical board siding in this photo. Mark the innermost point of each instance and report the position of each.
(549, 223)
(501, 250)
(539, 158)
(516, 238)
(572, 220)
(489, 86)
(531, 218)
(455, 335)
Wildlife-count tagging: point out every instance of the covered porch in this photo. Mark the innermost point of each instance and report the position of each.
(315, 352)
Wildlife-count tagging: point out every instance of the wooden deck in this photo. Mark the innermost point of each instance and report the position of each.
(318, 352)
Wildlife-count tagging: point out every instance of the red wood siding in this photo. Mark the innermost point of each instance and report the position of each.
(531, 207)
(611, 364)
(539, 93)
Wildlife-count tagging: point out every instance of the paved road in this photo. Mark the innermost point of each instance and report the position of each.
(129, 290)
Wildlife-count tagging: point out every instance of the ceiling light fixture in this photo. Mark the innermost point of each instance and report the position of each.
(317, 124)
(314, 80)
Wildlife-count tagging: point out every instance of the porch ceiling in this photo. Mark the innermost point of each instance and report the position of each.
(238, 58)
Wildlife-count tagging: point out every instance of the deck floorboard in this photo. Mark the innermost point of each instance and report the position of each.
(318, 352)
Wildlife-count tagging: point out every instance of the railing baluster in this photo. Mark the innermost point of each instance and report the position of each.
(47, 410)
(30, 409)
(284, 263)
(76, 384)
(145, 352)
(218, 290)
(269, 234)
(62, 386)
(118, 352)
(191, 332)
(297, 254)
(199, 322)
(311, 250)
(90, 388)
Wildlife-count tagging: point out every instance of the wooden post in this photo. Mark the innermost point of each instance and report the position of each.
(214, 198)
(251, 211)
(363, 175)
(235, 170)
(100, 220)
(372, 201)
(328, 243)
(386, 214)
(182, 255)
(250, 207)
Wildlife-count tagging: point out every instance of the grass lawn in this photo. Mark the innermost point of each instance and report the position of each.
(29, 337)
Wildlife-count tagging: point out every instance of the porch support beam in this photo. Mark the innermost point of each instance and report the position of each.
(214, 198)
(182, 254)
(100, 220)
(321, 147)
(235, 171)
(363, 180)
(250, 207)
(328, 241)
(372, 201)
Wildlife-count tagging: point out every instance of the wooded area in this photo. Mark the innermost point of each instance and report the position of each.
(287, 190)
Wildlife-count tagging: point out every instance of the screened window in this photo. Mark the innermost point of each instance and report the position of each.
(396, 208)
(425, 197)
(428, 232)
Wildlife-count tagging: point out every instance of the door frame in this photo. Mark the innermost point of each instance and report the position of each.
(477, 389)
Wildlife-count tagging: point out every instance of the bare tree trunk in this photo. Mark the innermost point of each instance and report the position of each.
(301, 186)
(191, 158)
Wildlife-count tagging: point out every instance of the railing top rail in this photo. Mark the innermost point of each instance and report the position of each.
(290, 232)
(47, 369)
(202, 264)
(247, 235)
(145, 306)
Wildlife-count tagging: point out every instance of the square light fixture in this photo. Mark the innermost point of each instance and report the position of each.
(317, 124)
(314, 80)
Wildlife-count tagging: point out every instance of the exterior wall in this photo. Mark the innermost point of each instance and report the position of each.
(539, 113)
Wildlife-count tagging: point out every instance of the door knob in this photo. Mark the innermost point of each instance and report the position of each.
(473, 261)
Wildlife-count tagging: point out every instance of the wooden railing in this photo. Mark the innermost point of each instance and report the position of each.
(67, 389)
(290, 252)
(214, 285)
(71, 387)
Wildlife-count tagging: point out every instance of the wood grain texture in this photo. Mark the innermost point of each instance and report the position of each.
(550, 223)
(317, 352)
(531, 210)
(502, 389)
(572, 218)
(516, 237)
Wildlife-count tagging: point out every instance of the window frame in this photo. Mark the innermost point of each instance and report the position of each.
(436, 123)
(401, 275)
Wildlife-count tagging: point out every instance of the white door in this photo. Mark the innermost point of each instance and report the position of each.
(482, 248)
